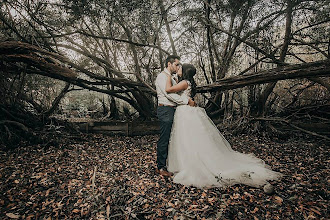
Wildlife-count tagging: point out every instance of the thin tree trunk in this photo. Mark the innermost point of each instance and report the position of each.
(202, 66)
(230, 48)
(160, 54)
(113, 108)
(57, 100)
(269, 88)
(168, 29)
(209, 45)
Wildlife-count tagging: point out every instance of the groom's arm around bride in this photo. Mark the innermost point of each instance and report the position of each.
(165, 110)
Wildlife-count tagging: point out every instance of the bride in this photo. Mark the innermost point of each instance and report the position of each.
(199, 155)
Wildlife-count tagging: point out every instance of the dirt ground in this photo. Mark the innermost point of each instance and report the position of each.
(103, 177)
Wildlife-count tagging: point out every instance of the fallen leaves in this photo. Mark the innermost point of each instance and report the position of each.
(278, 200)
(76, 211)
(12, 216)
(113, 178)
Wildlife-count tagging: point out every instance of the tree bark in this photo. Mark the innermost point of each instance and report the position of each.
(320, 81)
(209, 46)
(320, 68)
(57, 100)
(269, 88)
(229, 47)
(168, 29)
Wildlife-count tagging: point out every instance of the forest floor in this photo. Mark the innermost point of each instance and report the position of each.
(104, 177)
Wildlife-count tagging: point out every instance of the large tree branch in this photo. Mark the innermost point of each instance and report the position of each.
(12, 27)
(38, 62)
(15, 51)
(312, 46)
(108, 38)
(320, 68)
(311, 25)
(252, 45)
(257, 29)
(101, 62)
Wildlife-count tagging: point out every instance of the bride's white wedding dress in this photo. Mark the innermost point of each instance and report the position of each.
(200, 156)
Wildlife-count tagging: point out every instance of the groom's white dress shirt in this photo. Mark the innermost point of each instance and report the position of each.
(164, 98)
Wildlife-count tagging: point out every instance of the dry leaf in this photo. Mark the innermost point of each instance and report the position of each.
(192, 207)
(76, 211)
(236, 196)
(278, 200)
(211, 200)
(47, 192)
(12, 215)
(108, 211)
(169, 210)
(30, 217)
(314, 210)
(255, 210)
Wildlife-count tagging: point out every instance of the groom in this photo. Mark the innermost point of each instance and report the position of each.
(165, 111)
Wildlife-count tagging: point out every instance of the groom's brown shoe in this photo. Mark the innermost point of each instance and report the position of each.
(163, 172)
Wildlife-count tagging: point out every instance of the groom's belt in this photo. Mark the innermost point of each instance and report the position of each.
(167, 105)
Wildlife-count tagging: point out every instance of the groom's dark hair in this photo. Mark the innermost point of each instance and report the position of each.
(171, 59)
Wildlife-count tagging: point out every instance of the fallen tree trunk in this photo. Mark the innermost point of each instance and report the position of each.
(319, 68)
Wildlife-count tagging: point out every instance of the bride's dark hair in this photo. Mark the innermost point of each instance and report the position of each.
(188, 72)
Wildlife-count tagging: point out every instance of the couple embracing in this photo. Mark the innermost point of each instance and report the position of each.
(190, 145)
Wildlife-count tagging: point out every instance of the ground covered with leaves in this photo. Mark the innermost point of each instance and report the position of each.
(103, 177)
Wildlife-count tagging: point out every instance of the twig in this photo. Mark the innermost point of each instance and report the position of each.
(8, 132)
(308, 132)
(93, 178)
(115, 215)
(291, 125)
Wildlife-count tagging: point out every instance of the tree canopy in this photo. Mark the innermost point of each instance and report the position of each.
(119, 47)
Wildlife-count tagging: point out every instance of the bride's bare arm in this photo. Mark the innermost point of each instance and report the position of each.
(176, 88)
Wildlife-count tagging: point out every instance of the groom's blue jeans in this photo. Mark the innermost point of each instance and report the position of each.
(165, 115)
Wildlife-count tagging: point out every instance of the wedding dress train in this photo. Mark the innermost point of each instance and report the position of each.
(200, 156)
